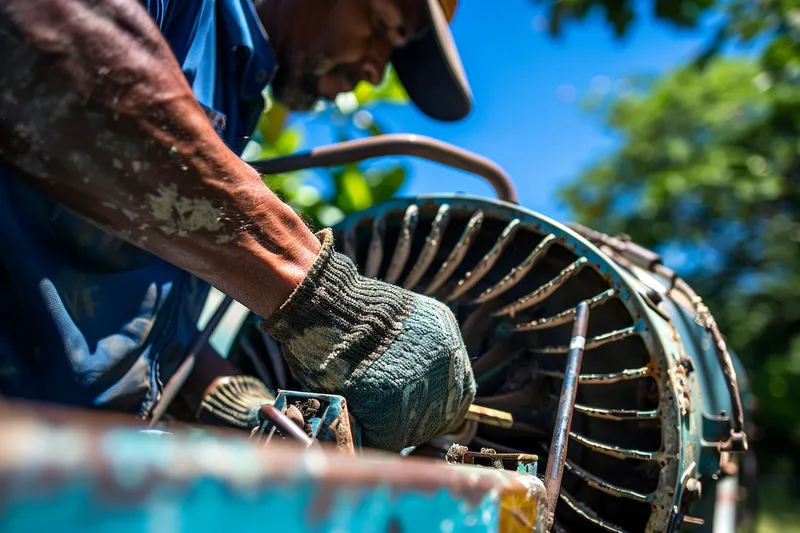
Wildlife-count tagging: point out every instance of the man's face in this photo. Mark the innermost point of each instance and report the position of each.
(328, 46)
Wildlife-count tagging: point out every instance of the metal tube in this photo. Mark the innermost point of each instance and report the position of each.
(394, 144)
(271, 414)
(558, 446)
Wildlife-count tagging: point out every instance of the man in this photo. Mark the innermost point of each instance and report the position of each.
(122, 197)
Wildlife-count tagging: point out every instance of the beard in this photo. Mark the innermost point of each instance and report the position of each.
(299, 92)
(296, 93)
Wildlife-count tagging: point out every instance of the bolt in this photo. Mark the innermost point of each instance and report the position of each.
(695, 488)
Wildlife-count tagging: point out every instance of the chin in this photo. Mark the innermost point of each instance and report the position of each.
(296, 95)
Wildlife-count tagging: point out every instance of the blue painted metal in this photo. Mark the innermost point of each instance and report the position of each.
(330, 424)
(75, 472)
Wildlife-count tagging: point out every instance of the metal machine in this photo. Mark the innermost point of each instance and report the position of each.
(592, 359)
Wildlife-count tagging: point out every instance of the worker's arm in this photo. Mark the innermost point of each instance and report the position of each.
(95, 112)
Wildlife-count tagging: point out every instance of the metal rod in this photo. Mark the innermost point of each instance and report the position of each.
(180, 376)
(432, 243)
(606, 486)
(403, 247)
(457, 254)
(569, 391)
(519, 272)
(588, 514)
(486, 263)
(613, 450)
(615, 414)
(269, 413)
(565, 316)
(602, 379)
(394, 144)
(545, 291)
(594, 342)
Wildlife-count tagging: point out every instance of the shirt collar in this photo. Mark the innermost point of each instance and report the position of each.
(247, 36)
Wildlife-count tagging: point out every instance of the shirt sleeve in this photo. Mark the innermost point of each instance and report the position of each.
(162, 11)
(157, 8)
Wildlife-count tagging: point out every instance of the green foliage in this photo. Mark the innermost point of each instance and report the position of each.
(741, 21)
(709, 170)
(353, 187)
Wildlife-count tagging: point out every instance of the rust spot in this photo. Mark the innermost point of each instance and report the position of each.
(393, 526)
(320, 506)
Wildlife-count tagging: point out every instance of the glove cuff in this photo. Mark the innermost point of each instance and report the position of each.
(234, 402)
(336, 313)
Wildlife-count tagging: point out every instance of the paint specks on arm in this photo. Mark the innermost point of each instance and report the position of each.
(179, 215)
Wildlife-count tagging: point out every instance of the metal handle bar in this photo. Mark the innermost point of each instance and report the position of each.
(394, 144)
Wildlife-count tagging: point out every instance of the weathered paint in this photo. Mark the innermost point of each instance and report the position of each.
(671, 354)
(73, 472)
(332, 424)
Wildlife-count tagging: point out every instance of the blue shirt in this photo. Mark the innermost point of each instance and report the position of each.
(87, 319)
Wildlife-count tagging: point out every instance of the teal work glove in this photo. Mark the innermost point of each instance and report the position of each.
(396, 356)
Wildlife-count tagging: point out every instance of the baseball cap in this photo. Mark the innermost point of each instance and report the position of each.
(430, 68)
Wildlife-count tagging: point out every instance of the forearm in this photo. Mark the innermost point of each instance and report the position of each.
(97, 114)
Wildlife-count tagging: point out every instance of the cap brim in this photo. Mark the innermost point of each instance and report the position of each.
(430, 69)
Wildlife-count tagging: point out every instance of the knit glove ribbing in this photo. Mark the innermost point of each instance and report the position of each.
(234, 402)
(396, 356)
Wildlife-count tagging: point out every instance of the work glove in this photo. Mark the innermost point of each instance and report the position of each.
(234, 401)
(396, 356)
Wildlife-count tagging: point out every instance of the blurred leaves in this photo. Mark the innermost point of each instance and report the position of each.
(324, 196)
(708, 172)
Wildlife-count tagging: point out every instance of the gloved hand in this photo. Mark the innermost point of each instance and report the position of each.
(233, 401)
(396, 356)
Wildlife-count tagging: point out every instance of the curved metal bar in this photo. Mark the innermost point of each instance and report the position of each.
(403, 247)
(565, 316)
(602, 379)
(606, 486)
(614, 451)
(486, 263)
(615, 414)
(545, 291)
(431, 246)
(394, 144)
(589, 514)
(457, 254)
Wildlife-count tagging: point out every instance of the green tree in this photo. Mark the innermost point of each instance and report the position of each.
(353, 187)
(708, 168)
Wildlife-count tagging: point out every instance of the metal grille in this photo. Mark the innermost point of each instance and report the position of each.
(514, 279)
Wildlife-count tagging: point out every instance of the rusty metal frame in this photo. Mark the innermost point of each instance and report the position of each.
(627, 252)
(646, 325)
(392, 145)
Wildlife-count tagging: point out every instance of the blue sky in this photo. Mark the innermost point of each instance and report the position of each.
(527, 88)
